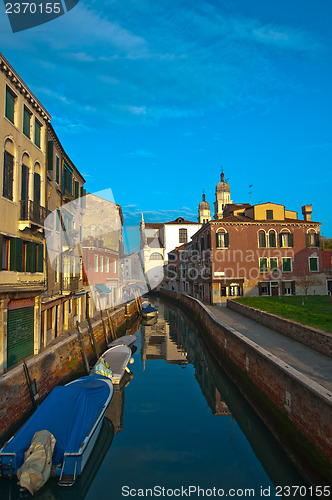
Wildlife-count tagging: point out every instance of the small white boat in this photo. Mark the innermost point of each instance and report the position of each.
(113, 363)
(125, 340)
(73, 414)
(149, 312)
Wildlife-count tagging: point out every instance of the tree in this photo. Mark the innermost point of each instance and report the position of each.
(326, 243)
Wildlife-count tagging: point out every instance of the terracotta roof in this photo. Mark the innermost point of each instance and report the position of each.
(181, 220)
(241, 218)
(153, 225)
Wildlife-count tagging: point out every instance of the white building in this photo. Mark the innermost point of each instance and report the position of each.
(158, 239)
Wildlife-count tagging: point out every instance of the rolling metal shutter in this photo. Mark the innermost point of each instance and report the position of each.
(20, 334)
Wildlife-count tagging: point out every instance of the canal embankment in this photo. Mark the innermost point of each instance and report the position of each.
(295, 408)
(315, 339)
(58, 363)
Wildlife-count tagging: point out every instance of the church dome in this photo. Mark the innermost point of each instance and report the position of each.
(204, 205)
(223, 186)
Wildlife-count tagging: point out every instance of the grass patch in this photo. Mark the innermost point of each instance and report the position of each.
(314, 310)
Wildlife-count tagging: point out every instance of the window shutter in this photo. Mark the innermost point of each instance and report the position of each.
(307, 240)
(36, 188)
(30, 263)
(293, 287)
(1, 251)
(291, 240)
(317, 240)
(280, 239)
(283, 288)
(77, 189)
(217, 240)
(50, 150)
(37, 133)
(226, 240)
(40, 258)
(259, 288)
(26, 122)
(8, 175)
(16, 255)
(57, 173)
(10, 104)
(272, 239)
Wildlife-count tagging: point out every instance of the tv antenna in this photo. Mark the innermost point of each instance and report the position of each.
(250, 192)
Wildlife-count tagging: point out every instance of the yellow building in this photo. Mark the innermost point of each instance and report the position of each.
(23, 135)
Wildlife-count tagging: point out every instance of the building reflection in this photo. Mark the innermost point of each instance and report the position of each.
(159, 341)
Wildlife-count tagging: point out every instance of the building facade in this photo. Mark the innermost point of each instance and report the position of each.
(23, 135)
(256, 250)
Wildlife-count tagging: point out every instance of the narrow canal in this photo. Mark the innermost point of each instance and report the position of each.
(179, 423)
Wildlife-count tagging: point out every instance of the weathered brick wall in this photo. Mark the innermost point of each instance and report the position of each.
(316, 339)
(310, 405)
(55, 365)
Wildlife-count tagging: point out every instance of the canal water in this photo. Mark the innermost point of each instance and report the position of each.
(177, 427)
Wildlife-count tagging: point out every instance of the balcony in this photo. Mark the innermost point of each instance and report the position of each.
(32, 212)
(71, 283)
(67, 196)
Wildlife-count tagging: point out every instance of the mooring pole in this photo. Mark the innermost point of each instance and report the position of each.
(31, 385)
(92, 337)
(82, 346)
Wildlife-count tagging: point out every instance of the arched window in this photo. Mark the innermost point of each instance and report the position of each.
(261, 239)
(286, 238)
(156, 256)
(8, 170)
(36, 185)
(272, 238)
(312, 238)
(222, 238)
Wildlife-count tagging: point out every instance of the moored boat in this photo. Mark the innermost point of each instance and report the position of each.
(149, 312)
(73, 414)
(124, 340)
(113, 362)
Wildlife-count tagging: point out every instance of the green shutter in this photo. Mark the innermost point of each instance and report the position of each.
(16, 255)
(217, 240)
(20, 334)
(40, 258)
(280, 239)
(286, 265)
(307, 240)
(57, 175)
(50, 150)
(37, 133)
(10, 105)
(273, 264)
(293, 287)
(226, 240)
(272, 239)
(26, 122)
(77, 189)
(2, 249)
(313, 264)
(291, 240)
(317, 240)
(8, 171)
(283, 287)
(30, 262)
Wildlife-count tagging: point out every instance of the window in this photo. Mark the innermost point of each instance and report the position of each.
(222, 240)
(57, 170)
(77, 189)
(57, 220)
(96, 263)
(269, 214)
(37, 132)
(8, 170)
(263, 264)
(312, 240)
(67, 178)
(26, 122)
(286, 264)
(114, 266)
(36, 188)
(4, 252)
(156, 256)
(273, 264)
(183, 235)
(10, 104)
(261, 239)
(286, 239)
(208, 241)
(288, 287)
(107, 264)
(202, 243)
(272, 239)
(313, 264)
(264, 288)
(101, 264)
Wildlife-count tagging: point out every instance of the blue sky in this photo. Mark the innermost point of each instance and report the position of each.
(150, 98)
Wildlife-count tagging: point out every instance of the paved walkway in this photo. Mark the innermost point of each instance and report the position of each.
(304, 359)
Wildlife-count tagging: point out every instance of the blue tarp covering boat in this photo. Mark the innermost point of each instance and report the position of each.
(149, 309)
(69, 413)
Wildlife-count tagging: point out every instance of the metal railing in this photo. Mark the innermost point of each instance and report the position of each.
(31, 211)
(71, 283)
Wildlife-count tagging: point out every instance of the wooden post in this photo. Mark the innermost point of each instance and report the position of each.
(92, 337)
(111, 323)
(31, 386)
(104, 327)
(80, 339)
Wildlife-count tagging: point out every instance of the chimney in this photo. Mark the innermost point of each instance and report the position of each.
(307, 211)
